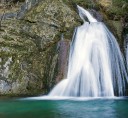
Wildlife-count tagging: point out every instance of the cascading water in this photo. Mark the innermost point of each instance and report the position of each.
(127, 55)
(96, 66)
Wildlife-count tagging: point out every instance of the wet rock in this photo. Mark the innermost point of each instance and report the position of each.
(20, 86)
(5, 87)
(27, 5)
(9, 15)
(63, 52)
(96, 15)
(126, 48)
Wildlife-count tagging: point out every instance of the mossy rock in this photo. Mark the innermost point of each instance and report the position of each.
(31, 43)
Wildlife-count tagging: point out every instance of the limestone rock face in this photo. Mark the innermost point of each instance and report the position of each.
(28, 48)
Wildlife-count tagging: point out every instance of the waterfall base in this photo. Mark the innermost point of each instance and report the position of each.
(96, 66)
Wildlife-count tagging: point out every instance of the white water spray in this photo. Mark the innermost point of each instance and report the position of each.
(96, 66)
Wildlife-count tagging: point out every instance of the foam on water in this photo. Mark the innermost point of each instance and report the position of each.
(52, 98)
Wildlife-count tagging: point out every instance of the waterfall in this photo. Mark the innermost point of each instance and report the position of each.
(96, 65)
(127, 55)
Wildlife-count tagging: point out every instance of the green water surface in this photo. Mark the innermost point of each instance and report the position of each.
(106, 108)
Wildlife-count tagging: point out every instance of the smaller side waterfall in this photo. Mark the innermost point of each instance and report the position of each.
(127, 55)
(96, 65)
